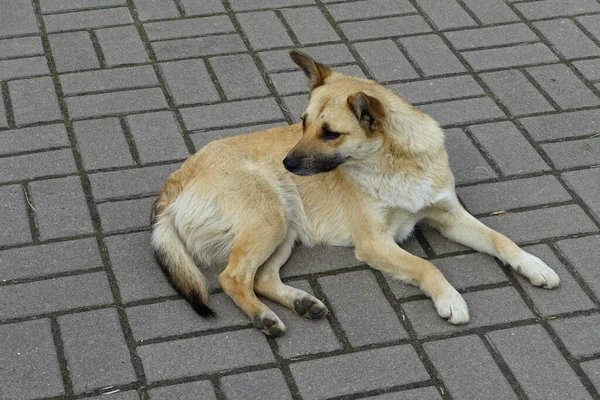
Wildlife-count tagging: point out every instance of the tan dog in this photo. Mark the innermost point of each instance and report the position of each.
(362, 168)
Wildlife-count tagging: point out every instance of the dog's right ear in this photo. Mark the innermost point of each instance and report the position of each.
(314, 71)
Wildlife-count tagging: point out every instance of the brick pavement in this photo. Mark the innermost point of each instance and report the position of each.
(102, 99)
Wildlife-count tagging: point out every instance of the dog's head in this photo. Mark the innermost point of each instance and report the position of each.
(343, 122)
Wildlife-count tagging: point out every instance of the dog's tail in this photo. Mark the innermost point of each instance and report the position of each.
(176, 262)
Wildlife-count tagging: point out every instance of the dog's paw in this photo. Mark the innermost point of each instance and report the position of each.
(270, 324)
(452, 307)
(538, 273)
(310, 307)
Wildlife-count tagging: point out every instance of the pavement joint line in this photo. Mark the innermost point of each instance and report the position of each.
(423, 242)
(335, 325)
(413, 63)
(473, 16)
(575, 274)
(503, 366)
(130, 141)
(18, 281)
(10, 116)
(486, 156)
(284, 368)
(216, 83)
(287, 28)
(180, 8)
(62, 359)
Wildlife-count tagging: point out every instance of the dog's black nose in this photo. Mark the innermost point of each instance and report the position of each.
(291, 163)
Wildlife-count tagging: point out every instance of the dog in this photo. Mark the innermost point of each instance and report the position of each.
(361, 170)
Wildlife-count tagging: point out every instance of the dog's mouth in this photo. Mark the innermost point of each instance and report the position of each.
(306, 166)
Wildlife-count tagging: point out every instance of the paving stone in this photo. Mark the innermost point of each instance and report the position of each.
(128, 101)
(198, 7)
(264, 30)
(157, 137)
(48, 6)
(34, 100)
(432, 55)
(467, 369)
(590, 23)
(309, 25)
(201, 139)
(205, 354)
(516, 93)
(131, 258)
(113, 79)
(563, 86)
(395, 26)
(584, 183)
(579, 334)
(447, 14)
(491, 36)
(509, 149)
(33, 138)
(87, 19)
(369, 9)
(358, 372)
(122, 45)
(129, 395)
(296, 104)
(385, 61)
(487, 307)
(55, 294)
(265, 385)
(592, 369)
(73, 51)
(362, 309)
(188, 82)
(307, 260)
(239, 76)
(423, 91)
(21, 46)
(22, 67)
(567, 38)
(500, 196)
(425, 393)
(574, 153)
(227, 114)
(244, 5)
(198, 47)
(504, 57)
(328, 54)
(14, 224)
(29, 361)
(50, 258)
(61, 207)
(542, 223)
(126, 214)
(202, 390)
(589, 68)
(155, 9)
(189, 27)
(528, 348)
(290, 82)
(95, 349)
(491, 11)
(556, 8)
(3, 118)
(464, 111)
(577, 123)
(583, 254)
(30, 166)
(17, 18)
(467, 164)
(102, 143)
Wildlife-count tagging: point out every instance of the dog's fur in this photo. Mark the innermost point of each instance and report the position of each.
(361, 170)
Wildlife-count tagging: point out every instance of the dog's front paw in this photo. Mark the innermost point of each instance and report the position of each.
(270, 324)
(452, 307)
(310, 307)
(538, 273)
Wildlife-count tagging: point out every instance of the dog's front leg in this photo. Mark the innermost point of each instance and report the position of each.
(384, 254)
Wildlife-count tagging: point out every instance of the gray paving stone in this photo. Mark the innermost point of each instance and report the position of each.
(369, 9)
(475, 110)
(227, 114)
(200, 139)
(358, 372)
(50, 258)
(21, 46)
(467, 164)
(432, 55)
(34, 138)
(491, 11)
(500, 196)
(579, 334)
(87, 19)
(61, 207)
(202, 390)
(309, 25)
(590, 23)
(583, 254)
(264, 30)
(244, 5)
(423, 91)
(585, 184)
(198, 47)
(528, 348)
(157, 137)
(17, 18)
(55, 294)
(126, 214)
(14, 224)
(129, 395)
(155, 9)
(362, 309)
(22, 67)
(385, 61)
(205, 354)
(563, 86)
(296, 104)
(239, 76)
(487, 307)
(116, 103)
(592, 369)
(34, 100)
(425, 393)
(574, 153)
(188, 82)
(395, 26)
(556, 8)
(113, 79)
(48, 6)
(589, 68)
(467, 369)
(131, 258)
(306, 260)
(491, 36)
(328, 54)
(199, 7)
(29, 166)
(102, 143)
(95, 349)
(29, 361)
(189, 27)
(447, 14)
(504, 57)
(3, 117)
(577, 123)
(265, 385)
(290, 82)
(122, 45)
(73, 51)
(567, 38)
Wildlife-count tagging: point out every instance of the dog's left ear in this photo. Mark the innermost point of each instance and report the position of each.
(368, 110)
(314, 71)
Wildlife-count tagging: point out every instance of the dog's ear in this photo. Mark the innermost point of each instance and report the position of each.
(314, 71)
(368, 110)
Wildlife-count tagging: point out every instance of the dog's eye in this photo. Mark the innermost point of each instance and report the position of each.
(328, 135)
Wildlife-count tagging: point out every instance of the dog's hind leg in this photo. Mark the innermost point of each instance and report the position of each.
(268, 283)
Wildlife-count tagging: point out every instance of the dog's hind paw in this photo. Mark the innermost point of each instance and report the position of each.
(310, 307)
(270, 325)
(452, 307)
(538, 273)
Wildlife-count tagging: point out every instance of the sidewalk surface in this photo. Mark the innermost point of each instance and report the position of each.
(102, 99)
